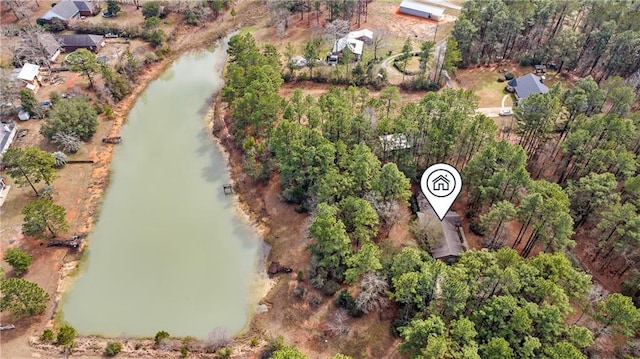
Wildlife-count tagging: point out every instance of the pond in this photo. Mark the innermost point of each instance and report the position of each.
(169, 251)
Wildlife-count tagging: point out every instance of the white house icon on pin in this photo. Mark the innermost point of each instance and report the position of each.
(440, 183)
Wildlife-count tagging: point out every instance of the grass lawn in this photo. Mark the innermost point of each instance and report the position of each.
(483, 81)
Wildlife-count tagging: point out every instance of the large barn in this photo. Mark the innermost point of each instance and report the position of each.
(426, 11)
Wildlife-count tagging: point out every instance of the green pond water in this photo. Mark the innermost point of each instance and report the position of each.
(169, 251)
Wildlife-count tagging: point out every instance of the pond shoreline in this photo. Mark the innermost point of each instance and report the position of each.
(100, 178)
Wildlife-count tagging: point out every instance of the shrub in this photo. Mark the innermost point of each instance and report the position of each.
(345, 300)
(509, 76)
(47, 335)
(315, 301)
(66, 335)
(254, 342)
(61, 159)
(151, 23)
(19, 260)
(137, 346)
(528, 60)
(66, 141)
(330, 287)
(54, 97)
(318, 281)
(160, 336)
(22, 298)
(299, 291)
(300, 276)
(75, 116)
(184, 351)
(151, 9)
(224, 353)
(150, 58)
(112, 349)
(155, 37)
(477, 228)
(102, 29)
(163, 51)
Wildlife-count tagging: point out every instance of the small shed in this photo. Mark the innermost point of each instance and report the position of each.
(420, 9)
(24, 115)
(29, 75)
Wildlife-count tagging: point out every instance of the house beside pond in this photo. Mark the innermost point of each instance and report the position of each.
(71, 43)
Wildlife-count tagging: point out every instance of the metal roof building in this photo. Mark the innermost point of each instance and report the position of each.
(527, 85)
(420, 9)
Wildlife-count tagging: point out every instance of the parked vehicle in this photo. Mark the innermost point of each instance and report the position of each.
(506, 112)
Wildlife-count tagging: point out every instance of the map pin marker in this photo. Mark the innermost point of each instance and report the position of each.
(441, 184)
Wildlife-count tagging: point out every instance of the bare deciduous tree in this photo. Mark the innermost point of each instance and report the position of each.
(338, 324)
(380, 39)
(9, 89)
(335, 30)
(218, 338)
(19, 8)
(373, 292)
(279, 13)
(35, 46)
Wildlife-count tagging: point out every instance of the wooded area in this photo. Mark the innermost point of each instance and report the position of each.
(597, 38)
(573, 170)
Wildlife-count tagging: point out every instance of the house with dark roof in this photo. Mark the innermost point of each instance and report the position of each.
(71, 43)
(451, 240)
(525, 86)
(66, 10)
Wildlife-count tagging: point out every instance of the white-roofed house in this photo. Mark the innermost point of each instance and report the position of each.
(353, 45)
(365, 35)
(30, 76)
(354, 42)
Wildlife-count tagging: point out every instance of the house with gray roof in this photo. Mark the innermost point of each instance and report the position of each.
(66, 10)
(451, 240)
(50, 45)
(525, 86)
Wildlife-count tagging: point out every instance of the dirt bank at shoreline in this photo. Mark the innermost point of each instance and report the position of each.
(58, 264)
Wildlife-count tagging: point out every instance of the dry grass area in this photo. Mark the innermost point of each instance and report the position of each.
(484, 81)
